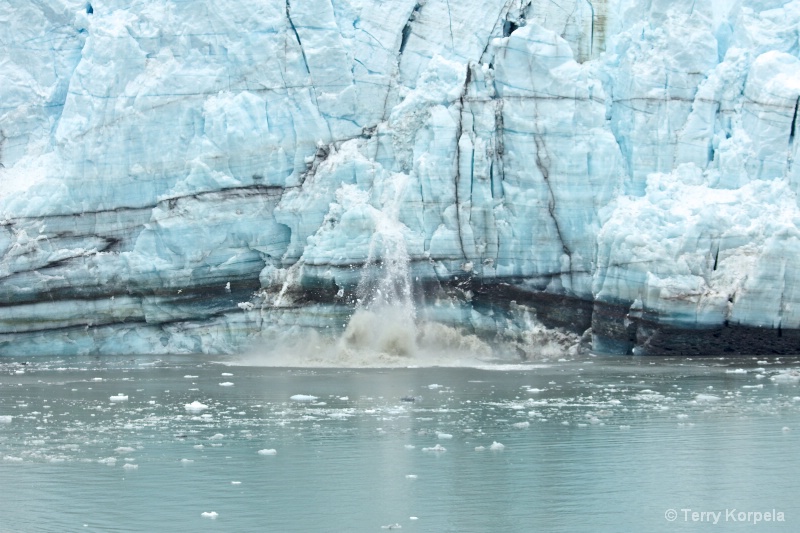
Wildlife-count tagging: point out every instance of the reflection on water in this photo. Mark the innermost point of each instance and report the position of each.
(599, 444)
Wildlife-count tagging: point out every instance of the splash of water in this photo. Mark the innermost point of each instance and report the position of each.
(384, 319)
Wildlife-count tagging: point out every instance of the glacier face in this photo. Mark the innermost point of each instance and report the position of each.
(196, 176)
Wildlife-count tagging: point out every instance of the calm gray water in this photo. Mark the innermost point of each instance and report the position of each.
(598, 444)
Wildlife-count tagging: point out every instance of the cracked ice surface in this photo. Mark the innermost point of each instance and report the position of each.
(161, 163)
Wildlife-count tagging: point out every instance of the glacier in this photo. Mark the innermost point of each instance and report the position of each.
(606, 175)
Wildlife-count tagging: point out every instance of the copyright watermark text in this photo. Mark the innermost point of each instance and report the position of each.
(724, 516)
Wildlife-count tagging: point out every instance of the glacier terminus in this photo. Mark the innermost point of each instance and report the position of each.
(209, 176)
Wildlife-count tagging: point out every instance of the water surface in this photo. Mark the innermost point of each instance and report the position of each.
(594, 444)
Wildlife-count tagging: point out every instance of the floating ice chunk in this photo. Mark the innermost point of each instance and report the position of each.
(788, 376)
(226, 374)
(130, 466)
(111, 461)
(535, 391)
(119, 398)
(12, 459)
(187, 461)
(195, 407)
(198, 446)
(707, 398)
(522, 425)
(6, 419)
(270, 451)
(413, 518)
(97, 379)
(216, 436)
(344, 398)
(480, 448)
(409, 446)
(303, 398)
(236, 482)
(682, 416)
(188, 376)
(624, 427)
(434, 386)
(411, 476)
(736, 371)
(392, 526)
(496, 447)
(444, 436)
(437, 448)
(785, 429)
(124, 449)
(226, 384)
(210, 514)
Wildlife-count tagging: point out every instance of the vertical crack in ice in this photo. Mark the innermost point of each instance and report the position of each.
(296, 35)
(591, 30)
(792, 132)
(543, 164)
(406, 33)
(459, 132)
(498, 23)
(450, 19)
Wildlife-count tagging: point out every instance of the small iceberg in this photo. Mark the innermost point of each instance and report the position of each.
(303, 398)
(788, 376)
(270, 451)
(497, 447)
(437, 448)
(706, 398)
(210, 514)
(119, 398)
(195, 407)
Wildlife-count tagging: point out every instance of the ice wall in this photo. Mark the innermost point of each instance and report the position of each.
(186, 176)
